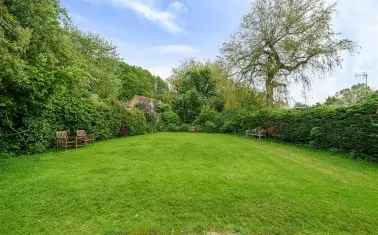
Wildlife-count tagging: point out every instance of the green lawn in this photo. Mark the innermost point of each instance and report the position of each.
(182, 182)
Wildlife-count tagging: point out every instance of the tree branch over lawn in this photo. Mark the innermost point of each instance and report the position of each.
(283, 40)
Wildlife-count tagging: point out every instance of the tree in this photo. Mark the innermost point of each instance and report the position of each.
(349, 96)
(53, 76)
(194, 75)
(34, 56)
(188, 105)
(194, 85)
(138, 81)
(100, 61)
(284, 40)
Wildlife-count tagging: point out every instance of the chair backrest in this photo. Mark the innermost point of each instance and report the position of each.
(61, 134)
(81, 133)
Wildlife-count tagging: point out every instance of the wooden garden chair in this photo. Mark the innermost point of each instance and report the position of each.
(82, 138)
(62, 140)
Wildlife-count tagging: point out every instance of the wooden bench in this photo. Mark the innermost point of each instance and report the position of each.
(258, 132)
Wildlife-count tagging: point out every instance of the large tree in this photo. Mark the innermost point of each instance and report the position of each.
(283, 40)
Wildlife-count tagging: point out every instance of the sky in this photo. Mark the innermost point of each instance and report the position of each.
(160, 34)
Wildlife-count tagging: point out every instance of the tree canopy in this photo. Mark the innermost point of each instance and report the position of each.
(350, 96)
(284, 40)
(197, 85)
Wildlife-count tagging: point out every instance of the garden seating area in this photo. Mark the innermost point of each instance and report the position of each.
(65, 141)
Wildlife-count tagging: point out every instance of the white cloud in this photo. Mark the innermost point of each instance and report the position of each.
(167, 19)
(159, 59)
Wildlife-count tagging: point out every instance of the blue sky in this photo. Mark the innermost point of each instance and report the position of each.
(160, 34)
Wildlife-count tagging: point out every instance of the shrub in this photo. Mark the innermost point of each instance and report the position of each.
(209, 120)
(162, 107)
(170, 118)
(36, 133)
(185, 128)
(135, 121)
(234, 121)
(353, 129)
(209, 127)
(168, 121)
(317, 137)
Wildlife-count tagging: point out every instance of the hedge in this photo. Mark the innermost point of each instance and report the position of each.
(352, 129)
(36, 133)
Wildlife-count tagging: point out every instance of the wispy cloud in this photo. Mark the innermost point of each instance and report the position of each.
(159, 59)
(167, 19)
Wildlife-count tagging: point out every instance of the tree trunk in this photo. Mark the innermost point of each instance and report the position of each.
(269, 89)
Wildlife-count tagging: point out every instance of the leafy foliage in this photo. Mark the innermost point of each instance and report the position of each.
(197, 85)
(353, 129)
(208, 119)
(169, 121)
(135, 121)
(52, 77)
(188, 105)
(137, 81)
(350, 96)
(194, 86)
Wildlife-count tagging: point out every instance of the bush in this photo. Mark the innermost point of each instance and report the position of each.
(135, 121)
(179, 128)
(208, 120)
(317, 137)
(170, 118)
(168, 121)
(352, 129)
(234, 121)
(209, 127)
(41, 132)
(93, 115)
(185, 128)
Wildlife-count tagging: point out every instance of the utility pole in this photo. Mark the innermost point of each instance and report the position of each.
(364, 76)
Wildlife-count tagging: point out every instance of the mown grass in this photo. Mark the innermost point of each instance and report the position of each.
(188, 183)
